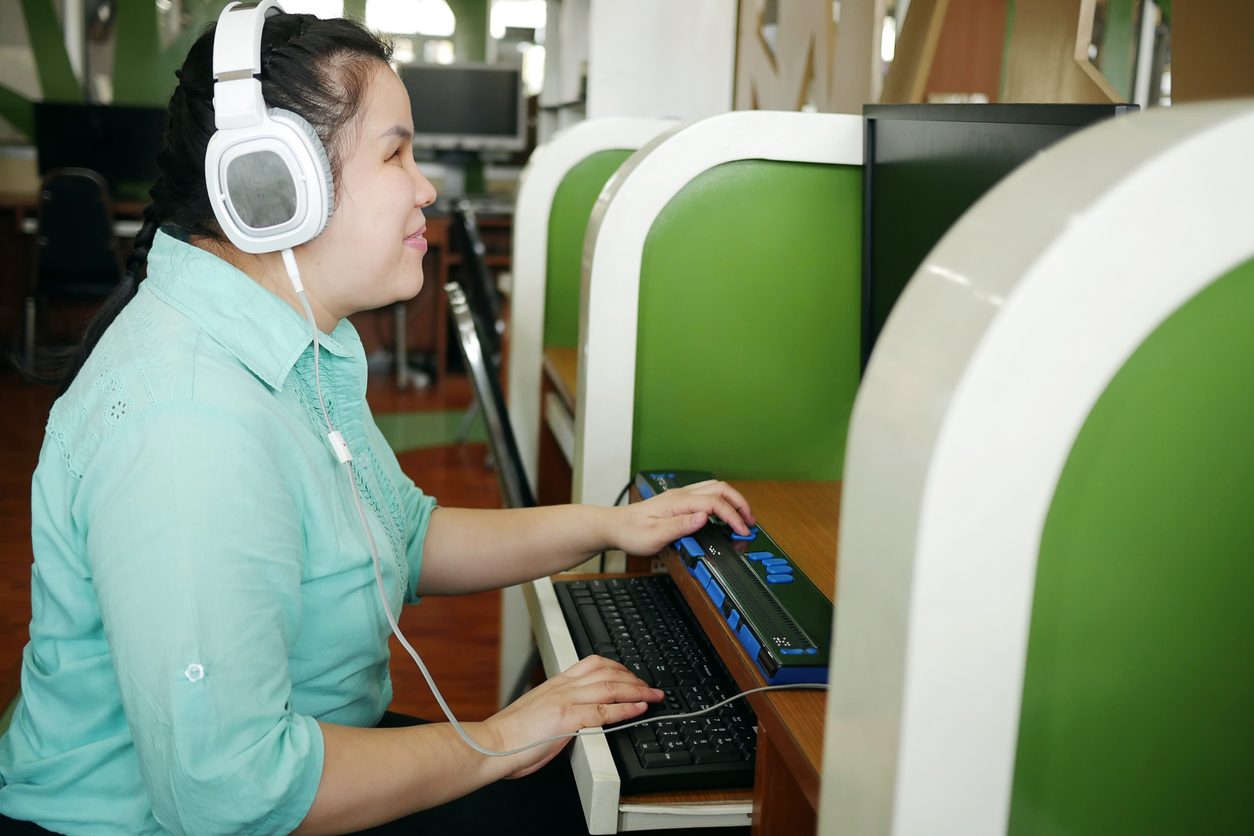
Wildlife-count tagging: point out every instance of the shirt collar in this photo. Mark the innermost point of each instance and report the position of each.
(261, 330)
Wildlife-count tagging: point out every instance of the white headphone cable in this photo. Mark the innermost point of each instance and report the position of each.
(345, 457)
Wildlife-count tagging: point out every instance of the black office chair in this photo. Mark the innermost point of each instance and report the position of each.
(76, 254)
(485, 377)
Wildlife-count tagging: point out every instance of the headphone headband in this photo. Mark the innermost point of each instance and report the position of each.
(237, 99)
(267, 174)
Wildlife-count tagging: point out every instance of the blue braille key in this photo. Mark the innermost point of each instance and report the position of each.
(791, 651)
(779, 570)
(753, 533)
(774, 561)
(758, 555)
(786, 578)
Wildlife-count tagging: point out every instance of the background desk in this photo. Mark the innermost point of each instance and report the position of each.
(418, 325)
(803, 518)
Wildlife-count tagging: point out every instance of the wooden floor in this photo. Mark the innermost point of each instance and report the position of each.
(457, 637)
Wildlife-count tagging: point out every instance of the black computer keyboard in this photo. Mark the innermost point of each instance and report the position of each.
(645, 624)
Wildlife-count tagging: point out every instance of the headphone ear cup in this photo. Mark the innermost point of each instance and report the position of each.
(322, 164)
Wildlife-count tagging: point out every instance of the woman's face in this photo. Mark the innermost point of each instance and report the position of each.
(370, 253)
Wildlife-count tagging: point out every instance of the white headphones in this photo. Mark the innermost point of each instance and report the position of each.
(268, 176)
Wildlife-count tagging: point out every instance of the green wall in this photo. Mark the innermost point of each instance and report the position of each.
(1138, 705)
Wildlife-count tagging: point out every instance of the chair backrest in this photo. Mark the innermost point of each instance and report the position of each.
(1043, 621)
(485, 378)
(77, 251)
(720, 303)
(476, 277)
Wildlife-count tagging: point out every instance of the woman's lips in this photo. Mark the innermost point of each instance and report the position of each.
(416, 241)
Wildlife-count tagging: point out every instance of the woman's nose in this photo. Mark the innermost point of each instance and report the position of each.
(424, 194)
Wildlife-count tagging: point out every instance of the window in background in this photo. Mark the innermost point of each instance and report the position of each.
(431, 18)
(324, 9)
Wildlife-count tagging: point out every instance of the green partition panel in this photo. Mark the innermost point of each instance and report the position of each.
(568, 224)
(747, 359)
(1138, 704)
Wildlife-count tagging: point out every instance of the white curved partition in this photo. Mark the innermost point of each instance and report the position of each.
(981, 380)
(621, 221)
(544, 173)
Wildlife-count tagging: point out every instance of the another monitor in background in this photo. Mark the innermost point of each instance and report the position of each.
(926, 165)
(119, 142)
(467, 107)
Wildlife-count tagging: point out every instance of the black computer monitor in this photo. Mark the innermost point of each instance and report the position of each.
(119, 142)
(926, 165)
(466, 106)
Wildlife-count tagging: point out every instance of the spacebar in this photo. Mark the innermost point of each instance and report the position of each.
(600, 636)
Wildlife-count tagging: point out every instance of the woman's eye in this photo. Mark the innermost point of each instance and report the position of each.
(395, 155)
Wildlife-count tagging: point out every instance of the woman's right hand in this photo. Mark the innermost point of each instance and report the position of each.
(592, 692)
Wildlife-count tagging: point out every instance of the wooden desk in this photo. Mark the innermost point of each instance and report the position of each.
(803, 517)
(561, 367)
(558, 388)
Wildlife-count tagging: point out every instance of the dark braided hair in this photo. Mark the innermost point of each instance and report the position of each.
(318, 69)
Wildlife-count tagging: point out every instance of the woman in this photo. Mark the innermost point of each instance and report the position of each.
(208, 650)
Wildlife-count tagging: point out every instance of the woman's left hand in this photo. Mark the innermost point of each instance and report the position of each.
(645, 528)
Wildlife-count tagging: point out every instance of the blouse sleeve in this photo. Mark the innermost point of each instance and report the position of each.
(195, 547)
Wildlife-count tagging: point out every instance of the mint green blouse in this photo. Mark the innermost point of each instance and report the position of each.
(202, 589)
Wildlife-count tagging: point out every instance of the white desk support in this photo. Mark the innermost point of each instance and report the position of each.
(944, 504)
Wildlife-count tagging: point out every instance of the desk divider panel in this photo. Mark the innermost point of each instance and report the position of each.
(1140, 667)
(568, 224)
(719, 304)
(1045, 535)
(555, 197)
(747, 348)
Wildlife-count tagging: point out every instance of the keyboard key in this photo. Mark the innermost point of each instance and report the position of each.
(661, 677)
(655, 759)
(642, 734)
(596, 627)
(712, 754)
